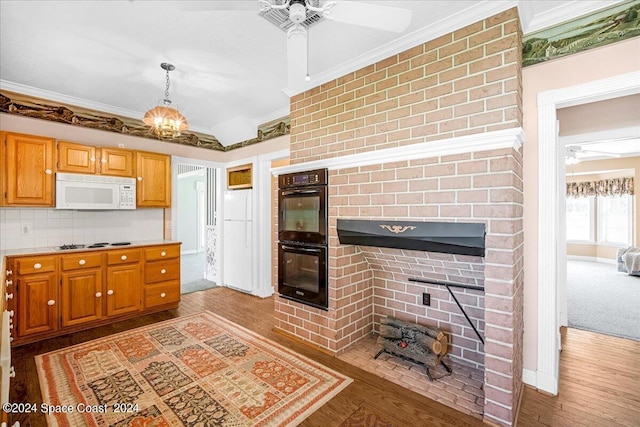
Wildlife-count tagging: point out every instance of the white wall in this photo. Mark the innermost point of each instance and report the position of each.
(188, 212)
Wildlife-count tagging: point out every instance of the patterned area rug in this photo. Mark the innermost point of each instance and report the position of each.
(198, 370)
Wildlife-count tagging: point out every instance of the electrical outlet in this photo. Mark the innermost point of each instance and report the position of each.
(120, 145)
(26, 229)
(426, 298)
(168, 225)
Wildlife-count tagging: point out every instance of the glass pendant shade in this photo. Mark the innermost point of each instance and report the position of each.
(167, 121)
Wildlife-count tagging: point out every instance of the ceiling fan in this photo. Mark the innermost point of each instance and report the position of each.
(574, 153)
(296, 16)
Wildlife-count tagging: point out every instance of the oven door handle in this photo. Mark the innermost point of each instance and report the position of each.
(291, 248)
(289, 193)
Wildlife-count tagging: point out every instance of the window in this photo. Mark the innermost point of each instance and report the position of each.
(614, 223)
(615, 215)
(580, 219)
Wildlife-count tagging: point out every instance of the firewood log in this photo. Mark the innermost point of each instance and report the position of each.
(393, 321)
(430, 344)
(391, 332)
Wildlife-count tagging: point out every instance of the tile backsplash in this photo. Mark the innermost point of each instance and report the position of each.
(40, 227)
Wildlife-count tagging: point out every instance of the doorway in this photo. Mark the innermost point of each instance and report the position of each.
(551, 239)
(194, 225)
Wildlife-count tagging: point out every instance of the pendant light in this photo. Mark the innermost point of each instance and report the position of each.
(167, 122)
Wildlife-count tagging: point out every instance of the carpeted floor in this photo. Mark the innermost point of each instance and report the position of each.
(198, 370)
(603, 300)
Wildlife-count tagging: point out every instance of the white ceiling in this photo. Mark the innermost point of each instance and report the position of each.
(230, 65)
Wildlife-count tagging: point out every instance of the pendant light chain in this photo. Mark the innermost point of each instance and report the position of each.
(166, 91)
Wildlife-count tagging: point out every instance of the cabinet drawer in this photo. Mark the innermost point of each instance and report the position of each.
(123, 256)
(162, 293)
(161, 252)
(83, 260)
(160, 271)
(36, 264)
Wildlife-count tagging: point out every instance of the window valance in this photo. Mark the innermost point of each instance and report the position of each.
(605, 187)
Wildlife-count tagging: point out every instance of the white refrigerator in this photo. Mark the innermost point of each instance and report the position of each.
(237, 244)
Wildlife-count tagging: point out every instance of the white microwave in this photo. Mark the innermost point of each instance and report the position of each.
(94, 192)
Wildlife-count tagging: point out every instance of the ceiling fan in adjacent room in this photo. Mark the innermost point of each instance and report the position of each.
(296, 16)
(576, 153)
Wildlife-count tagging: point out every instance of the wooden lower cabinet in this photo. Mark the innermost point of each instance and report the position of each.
(58, 294)
(81, 297)
(37, 304)
(123, 289)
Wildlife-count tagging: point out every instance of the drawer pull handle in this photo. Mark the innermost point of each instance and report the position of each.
(98, 294)
(9, 272)
(110, 292)
(37, 266)
(11, 313)
(103, 160)
(9, 296)
(48, 171)
(123, 257)
(9, 282)
(162, 295)
(163, 271)
(163, 253)
(139, 178)
(82, 262)
(51, 302)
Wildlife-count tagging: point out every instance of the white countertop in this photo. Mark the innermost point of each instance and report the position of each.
(55, 250)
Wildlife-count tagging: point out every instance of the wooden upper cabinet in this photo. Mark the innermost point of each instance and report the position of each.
(116, 162)
(76, 158)
(153, 175)
(29, 172)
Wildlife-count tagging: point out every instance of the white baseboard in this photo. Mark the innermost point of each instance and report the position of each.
(529, 377)
(592, 259)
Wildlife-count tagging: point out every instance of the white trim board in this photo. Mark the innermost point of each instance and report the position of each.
(507, 138)
(551, 225)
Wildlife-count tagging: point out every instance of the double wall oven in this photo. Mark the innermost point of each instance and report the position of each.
(302, 237)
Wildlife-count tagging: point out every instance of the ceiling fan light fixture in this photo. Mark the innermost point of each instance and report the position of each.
(297, 11)
(166, 121)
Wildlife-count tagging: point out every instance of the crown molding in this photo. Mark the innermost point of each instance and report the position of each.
(91, 105)
(471, 15)
(496, 140)
(561, 13)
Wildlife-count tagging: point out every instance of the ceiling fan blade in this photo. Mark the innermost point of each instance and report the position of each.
(203, 6)
(296, 56)
(602, 153)
(369, 15)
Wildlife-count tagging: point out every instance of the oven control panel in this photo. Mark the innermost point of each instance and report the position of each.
(303, 179)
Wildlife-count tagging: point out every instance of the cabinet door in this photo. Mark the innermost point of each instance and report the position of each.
(116, 162)
(37, 304)
(123, 289)
(3, 167)
(76, 158)
(29, 170)
(81, 298)
(153, 172)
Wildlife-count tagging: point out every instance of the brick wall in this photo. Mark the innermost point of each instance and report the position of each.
(462, 83)
(467, 82)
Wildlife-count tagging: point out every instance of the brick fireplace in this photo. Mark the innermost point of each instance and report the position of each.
(430, 134)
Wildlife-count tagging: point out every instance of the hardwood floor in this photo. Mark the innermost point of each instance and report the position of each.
(599, 385)
(598, 380)
(255, 314)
